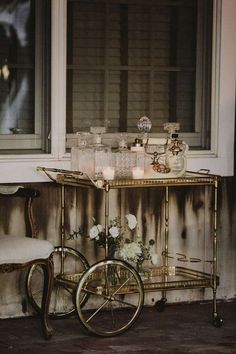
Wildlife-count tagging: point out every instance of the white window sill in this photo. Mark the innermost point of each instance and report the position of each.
(23, 169)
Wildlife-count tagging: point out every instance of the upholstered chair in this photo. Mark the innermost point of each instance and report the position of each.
(21, 251)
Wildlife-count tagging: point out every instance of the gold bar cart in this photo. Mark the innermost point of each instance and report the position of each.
(108, 296)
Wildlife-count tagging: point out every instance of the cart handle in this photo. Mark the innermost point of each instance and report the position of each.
(46, 170)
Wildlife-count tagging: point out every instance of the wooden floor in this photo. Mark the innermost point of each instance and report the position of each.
(178, 329)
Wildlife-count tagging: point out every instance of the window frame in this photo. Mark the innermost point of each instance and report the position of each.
(196, 138)
(9, 143)
(219, 159)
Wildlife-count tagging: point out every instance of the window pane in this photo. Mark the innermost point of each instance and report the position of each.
(25, 75)
(185, 100)
(138, 97)
(16, 51)
(87, 99)
(184, 34)
(161, 100)
(86, 35)
(139, 39)
(21, 112)
(114, 99)
(146, 55)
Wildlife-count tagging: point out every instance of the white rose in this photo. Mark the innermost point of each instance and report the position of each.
(94, 231)
(100, 228)
(130, 251)
(132, 221)
(114, 231)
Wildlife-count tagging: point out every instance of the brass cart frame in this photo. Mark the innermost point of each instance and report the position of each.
(189, 278)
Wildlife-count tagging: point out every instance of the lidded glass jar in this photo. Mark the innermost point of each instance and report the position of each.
(82, 154)
(124, 159)
(176, 158)
(176, 149)
(102, 156)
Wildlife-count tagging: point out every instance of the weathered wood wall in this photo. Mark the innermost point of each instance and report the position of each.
(190, 225)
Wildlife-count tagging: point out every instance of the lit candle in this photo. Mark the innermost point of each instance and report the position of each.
(138, 172)
(108, 172)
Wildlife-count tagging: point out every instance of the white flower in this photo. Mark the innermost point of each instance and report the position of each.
(132, 221)
(131, 251)
(114, 231)
(94, 231)
(100, 228)
(154, 258)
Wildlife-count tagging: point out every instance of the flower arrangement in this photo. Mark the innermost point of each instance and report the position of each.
(97, 234)
(131, 249)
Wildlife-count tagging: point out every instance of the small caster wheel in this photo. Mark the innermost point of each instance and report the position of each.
(160, 305)
(217, 321)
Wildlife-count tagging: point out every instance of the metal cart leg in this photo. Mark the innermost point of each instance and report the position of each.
(160, 304)
(217, 320)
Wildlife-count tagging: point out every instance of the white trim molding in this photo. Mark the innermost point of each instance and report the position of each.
(220, 159)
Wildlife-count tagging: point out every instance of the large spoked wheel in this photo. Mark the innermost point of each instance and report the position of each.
(115, 297)
(64, 283)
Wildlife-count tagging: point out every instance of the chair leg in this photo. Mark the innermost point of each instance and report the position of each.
(47, 289)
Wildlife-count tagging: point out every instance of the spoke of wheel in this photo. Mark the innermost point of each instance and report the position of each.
(107, 281)
(121, 286)
(124, 302)
(94, 314)
(67, 289)
(112, 315)
(109, 293)
(55, 299)
(87, 291)
(37, 292)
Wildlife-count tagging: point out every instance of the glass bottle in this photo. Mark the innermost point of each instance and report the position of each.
(125, 159)
(102, 157)
(176, 149)
(82, 155)
(175, 157)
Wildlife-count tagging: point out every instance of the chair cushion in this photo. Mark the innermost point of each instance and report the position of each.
(9, 189)
(23, 249)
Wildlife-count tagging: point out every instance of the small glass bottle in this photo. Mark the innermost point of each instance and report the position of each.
(125, 159)
(82, 155)
(175, 157)
(176, 153)
(102, 157)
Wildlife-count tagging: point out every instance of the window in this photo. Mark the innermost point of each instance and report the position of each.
(127, 59)
(25, 76)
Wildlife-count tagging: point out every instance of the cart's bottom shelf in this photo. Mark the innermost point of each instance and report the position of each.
(102, 292)
(173, 278)
(154, 279)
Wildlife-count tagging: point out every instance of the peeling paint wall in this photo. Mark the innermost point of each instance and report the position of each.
(190, 232)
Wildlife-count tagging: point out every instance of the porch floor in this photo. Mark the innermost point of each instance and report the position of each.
(180, 328)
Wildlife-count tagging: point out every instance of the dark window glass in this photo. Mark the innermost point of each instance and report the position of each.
(25, 73)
